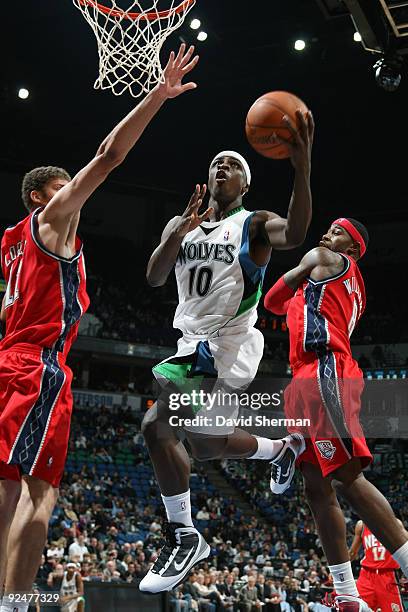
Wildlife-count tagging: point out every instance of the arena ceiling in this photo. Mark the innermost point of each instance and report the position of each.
(361, 129)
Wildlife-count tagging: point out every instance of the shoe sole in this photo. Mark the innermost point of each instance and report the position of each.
(204, 555)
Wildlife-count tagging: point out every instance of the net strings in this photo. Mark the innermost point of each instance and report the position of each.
(129, 49)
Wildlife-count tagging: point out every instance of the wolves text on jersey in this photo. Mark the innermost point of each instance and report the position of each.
(204, 251)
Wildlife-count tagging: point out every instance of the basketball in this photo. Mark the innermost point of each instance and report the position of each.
(265, 117)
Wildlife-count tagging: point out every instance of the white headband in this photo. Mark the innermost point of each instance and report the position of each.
(239, 157)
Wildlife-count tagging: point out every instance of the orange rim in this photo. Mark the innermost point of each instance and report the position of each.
(147, 16)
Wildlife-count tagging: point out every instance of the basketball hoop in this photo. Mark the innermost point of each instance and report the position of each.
(129, 41)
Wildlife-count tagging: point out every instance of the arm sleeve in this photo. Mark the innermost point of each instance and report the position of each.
(278, 297)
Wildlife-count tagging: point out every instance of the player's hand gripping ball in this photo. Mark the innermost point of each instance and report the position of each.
(272, 121)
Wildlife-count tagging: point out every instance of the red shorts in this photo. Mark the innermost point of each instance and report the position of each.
(379, 589)
(35, 413)
(327, 392)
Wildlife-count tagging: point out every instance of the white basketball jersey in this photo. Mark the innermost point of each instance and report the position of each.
(218, 283)
(68, 587)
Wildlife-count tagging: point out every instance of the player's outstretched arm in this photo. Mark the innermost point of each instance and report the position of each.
(357, 541)
(164, 257)
(290, 232)
(319, 262)
(113, 150)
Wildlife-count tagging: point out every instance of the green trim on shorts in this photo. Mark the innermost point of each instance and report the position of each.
(173, 371)
(178, 374)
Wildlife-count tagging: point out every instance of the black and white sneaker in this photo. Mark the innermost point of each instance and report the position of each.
(284, 464)
(184, 547)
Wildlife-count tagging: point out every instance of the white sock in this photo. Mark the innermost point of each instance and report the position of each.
(343, 579)
(13, 607)
(178, 509)
(401, 557)
(267, 449)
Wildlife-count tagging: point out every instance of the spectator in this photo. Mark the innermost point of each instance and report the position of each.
(250, 567)
(207, 600)
(249, 600)
(55, 577)
(178, 603)
(55, 551)
(203, 514)
(78, 548)
(229, 595)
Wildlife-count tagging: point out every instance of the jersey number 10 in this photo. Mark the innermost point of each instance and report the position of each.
(202, 280)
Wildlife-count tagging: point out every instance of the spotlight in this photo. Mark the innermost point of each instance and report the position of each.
(23, 93)
(300, 45)
(195, 24)
(388, 72)
(202, 36)
(357, 37)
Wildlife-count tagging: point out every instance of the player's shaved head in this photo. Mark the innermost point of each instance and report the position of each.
(36, 179)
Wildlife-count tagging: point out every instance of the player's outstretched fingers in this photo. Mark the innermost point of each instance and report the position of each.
(190, 65)
(203, 191)
(186, 58)
(180, 54)
(193, 200)
(206, 214)
(288, 125)
(302, 125)
(170, 63)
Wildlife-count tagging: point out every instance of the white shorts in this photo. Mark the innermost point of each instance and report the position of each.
(71, 606)
(231, 358)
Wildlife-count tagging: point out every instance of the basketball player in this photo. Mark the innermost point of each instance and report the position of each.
(219, 264)
(72, 590)
(43, 266)
(324, 297)
(377, 582)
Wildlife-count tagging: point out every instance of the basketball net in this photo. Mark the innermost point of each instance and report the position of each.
(129, 41)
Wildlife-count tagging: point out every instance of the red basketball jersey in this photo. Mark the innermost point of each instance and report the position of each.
(376, 556)
(323, 314)
(46, 294)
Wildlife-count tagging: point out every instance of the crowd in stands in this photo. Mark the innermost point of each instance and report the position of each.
(109, 517)
(134, 315)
